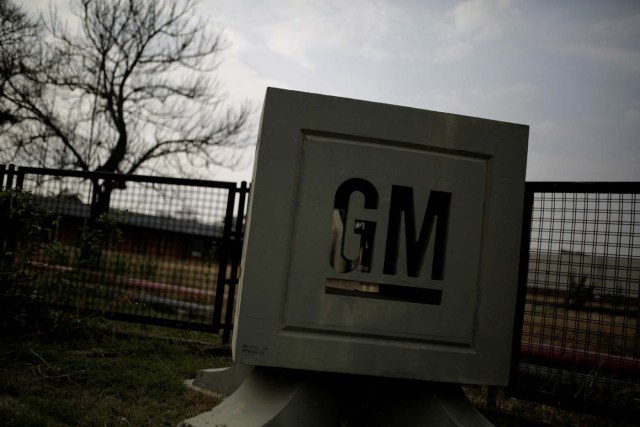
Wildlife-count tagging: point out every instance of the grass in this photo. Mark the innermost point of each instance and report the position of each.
(108, 375)
(113, 374)
(509, 412)
(579, 329)
(195, 273)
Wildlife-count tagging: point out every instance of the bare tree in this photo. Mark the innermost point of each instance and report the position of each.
(19, 39)
(131, 90)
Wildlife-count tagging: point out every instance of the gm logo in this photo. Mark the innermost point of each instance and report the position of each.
(353, 242)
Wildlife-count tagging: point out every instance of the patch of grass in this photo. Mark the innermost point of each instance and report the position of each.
(101, 378)
(580, 329)
(511, 412)
(196, 273)
(197, 339)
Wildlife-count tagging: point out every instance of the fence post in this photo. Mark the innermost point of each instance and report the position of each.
(236, 247)
(523, 272)
(224, 259)
(4, 216)
(19, 179)
(8, 235)
(10, 173)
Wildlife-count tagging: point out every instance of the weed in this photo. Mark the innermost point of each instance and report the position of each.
(579, 293)
(94, 237)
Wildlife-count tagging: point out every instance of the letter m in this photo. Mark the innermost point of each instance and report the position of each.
(437, 211)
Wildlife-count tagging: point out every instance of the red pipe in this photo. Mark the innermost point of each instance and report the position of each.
(158, 286)
(583, 360)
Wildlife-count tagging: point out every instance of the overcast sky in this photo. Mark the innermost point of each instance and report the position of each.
(570, 70)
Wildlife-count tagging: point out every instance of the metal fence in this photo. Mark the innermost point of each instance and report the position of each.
(167, 251)
(577, 343)
(155, 250)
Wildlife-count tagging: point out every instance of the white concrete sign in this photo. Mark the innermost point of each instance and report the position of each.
(381, 240)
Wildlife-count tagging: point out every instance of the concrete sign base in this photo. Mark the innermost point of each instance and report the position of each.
(283, 397)
(222, 381)
(272, 397)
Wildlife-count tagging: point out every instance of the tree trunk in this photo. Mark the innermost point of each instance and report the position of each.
(94, 236)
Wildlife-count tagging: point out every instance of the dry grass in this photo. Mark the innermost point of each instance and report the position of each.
(563, 327)
(510, 412)
(189, 272)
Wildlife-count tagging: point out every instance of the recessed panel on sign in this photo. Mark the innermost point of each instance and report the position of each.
(394, 250)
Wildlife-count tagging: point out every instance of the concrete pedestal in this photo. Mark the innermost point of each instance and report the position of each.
(222, 381)
(272, 397)
(281, 397)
